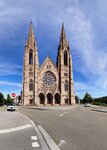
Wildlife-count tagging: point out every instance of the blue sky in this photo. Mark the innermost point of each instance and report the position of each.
(86, 28)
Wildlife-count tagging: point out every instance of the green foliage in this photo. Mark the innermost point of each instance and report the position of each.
(100, 104)
(81, 101)
(2, 99)
(87, 98)
(9, 99)
(77, 99)
(100, 101)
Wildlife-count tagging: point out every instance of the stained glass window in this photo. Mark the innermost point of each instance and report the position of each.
(49, 79)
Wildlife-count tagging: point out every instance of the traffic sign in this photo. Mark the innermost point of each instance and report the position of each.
(13, 95)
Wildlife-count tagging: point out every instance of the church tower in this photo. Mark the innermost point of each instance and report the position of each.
(31, 66)
(48, 84)
(64, 65)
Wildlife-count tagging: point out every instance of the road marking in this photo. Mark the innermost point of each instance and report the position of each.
(52, 145)
(63, 114)
(15, 129)
(62, 142)
(34, 138)
(41, 138)
(35, 144)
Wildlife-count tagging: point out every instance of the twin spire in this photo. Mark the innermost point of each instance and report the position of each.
(31, 41)
(63, 40)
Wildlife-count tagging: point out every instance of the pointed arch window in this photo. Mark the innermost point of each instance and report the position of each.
(66, 85)
(30, 57)
(65, 58)
(31, 85)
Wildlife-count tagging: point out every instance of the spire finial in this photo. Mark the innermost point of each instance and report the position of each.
(62, 25)
(31, 24)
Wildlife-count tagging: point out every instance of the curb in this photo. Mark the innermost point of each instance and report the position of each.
(41, 138)
(52, 108)
(99, 110)
(52, 145)
(46, 141)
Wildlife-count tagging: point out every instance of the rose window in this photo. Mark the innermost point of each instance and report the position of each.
(49, 79)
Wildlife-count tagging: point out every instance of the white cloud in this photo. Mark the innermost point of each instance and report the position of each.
(81, 29)
(5, 92)
(92, 61)
(11, 84)
(82, 88)
(12, 17)
(10, 69)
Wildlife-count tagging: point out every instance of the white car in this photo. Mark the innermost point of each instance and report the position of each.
(11, 107)
(87, 105)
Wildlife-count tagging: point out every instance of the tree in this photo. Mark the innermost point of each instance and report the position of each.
(77, 99)
(100, 101)
(1, 98)
(9, 99)
(87, 98)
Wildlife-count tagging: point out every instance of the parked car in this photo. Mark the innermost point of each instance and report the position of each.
(11, 107)
(87, 105)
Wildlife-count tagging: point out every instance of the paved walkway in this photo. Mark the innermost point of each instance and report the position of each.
(51, 107)
(3, 108)
(100, 109)
(75, 129)
(17, 132)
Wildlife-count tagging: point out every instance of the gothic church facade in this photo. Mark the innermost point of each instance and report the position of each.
(48, 84)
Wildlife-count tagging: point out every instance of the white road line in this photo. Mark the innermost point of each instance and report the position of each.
(15, 129)
(35, 144)
(52, 145)
(62, 142)
(34, 138)
(41, 138)
(63, 114)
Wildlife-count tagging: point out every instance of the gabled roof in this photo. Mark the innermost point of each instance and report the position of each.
(48, 59)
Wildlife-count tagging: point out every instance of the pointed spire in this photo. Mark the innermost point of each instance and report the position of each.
(63, 39)
(31, 42)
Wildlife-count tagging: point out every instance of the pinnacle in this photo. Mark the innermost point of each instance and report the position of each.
(31, 42)
(63, 39)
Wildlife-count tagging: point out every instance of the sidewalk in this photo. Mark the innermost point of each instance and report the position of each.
(17, 132)
(99, 108)
(3, 108)
(51, 107)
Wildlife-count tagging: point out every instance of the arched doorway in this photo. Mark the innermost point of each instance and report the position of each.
(57, 98)
(42, 98)
(49, 98)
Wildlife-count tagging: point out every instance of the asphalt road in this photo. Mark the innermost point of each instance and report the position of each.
(17, 132)
(75, 129)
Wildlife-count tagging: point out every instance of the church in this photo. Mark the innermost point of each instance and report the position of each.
(49, 83)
